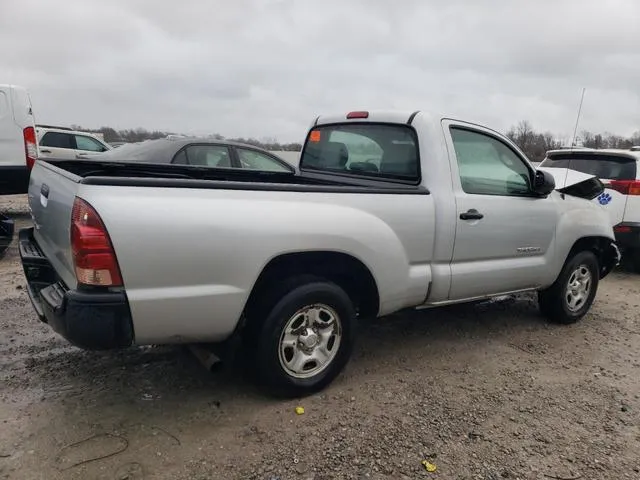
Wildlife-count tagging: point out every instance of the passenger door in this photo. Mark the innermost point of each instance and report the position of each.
(504, 232)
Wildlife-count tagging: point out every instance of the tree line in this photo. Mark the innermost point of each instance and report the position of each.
(533, 143)
(141, 134)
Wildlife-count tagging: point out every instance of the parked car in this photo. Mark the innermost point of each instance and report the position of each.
(65, 143)
(619, 171)
(389, 211)
(18, 144)
(202, 152)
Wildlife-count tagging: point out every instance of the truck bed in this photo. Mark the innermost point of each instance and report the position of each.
(196, 239)
(91, 172)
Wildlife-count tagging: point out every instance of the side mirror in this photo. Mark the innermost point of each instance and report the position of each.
(543, 183)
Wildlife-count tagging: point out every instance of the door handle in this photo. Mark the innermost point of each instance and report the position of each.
(45, 151)
(471, 214)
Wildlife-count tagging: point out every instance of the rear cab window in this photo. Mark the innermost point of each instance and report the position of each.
(382, 151)
(601, 165)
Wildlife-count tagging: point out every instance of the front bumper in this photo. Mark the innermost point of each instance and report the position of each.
(91, 319)
(628, 235)
(609, 256)
(6, 233)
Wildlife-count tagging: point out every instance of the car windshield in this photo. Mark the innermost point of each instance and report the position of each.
(366, 149)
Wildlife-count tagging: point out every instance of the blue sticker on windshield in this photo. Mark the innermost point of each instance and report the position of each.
(604, 198)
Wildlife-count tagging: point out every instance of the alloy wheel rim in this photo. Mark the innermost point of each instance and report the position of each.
(578, 288)
(310, 341)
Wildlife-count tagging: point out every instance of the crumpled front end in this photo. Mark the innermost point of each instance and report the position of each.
(576, 184)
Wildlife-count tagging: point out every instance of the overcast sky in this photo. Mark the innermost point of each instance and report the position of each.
(268, 67)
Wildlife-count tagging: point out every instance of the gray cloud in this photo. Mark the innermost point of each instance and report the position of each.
(267, 67)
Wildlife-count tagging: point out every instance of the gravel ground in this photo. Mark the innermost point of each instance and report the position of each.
(488, 391)
(14, 204)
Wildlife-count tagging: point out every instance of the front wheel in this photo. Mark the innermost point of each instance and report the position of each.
(306, 338)
(573, 292)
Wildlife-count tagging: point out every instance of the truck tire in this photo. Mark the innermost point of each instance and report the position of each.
(306, 336)
(572, 294)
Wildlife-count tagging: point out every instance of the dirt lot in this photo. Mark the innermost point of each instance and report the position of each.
(483, 392)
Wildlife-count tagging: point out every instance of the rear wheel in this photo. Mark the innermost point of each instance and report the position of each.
(572, 294)
(305, 338)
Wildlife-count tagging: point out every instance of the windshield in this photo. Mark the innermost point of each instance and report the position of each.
(368, 149)
(608, 167)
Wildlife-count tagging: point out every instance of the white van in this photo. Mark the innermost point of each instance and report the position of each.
(18, 143)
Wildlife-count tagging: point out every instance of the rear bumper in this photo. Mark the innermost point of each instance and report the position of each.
(628, 235)
(92, 319)
(6, 233)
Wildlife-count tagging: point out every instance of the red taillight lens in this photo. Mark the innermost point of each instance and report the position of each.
(622, 229)
(93, 256)
(626, 187)
(352, 115)
(30, 146)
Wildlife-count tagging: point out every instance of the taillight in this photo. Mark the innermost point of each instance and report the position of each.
(30, 146)
(622, 229)
(93, 256)
(626, 187)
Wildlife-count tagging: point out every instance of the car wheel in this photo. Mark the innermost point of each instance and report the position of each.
(573, 292)
(306, 338)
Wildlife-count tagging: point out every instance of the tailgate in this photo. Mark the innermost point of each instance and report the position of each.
(52, 192)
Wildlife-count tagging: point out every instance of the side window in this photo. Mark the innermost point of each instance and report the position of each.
(252, 160)
(180, 158)
(89, 144)
(56, 140)
(489, 167)
(216, 156)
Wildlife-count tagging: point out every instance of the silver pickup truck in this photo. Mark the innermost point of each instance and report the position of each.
(389, 211)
